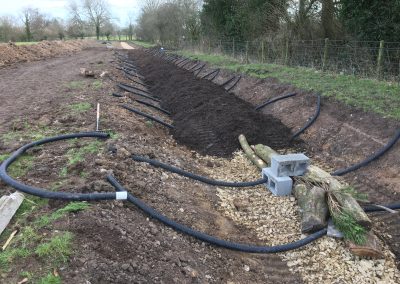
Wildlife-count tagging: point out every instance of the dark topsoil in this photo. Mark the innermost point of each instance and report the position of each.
(206, 117)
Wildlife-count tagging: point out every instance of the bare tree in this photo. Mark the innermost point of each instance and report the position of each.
(27, 15)
(98, 13)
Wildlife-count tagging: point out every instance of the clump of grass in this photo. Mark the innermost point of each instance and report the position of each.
(57, 250)
(71, 207)
(3, 157)
(8, 256)
(50, 279)
(80, 107)
(21, 166)
(75, 85)
(96, 85)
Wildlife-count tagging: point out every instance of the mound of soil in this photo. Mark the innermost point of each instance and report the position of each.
(206, 117)
(11, 53)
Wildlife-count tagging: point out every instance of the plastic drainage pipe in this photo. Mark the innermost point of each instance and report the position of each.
(128, 89)
(312, 120)
(133, 80)
(136, 88)
(198, 69)
(216, 71)
(210, 239)
(194, 66)
(271, 101)
(147, 116)
(117, 95)
(153, 106)
(227, 81)
(44, 193)
(181, 172)
(234, 84)
(371, 158)
(187, 63)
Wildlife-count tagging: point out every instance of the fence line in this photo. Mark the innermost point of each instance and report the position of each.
(370, 59)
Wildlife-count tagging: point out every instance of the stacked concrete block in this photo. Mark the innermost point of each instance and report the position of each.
(282, 168)
(289, 165)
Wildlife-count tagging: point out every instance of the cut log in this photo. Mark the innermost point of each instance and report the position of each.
(316, 175)
(8, 206)
(313, 207)
(250, 153)
(372, 247)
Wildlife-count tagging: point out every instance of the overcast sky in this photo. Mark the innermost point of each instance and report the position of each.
(56, 8)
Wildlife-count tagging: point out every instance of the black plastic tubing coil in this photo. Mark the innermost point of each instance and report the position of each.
(44, 193)
(181, 172)
(371, 158)
(210, 239)
(147, 116)
(130, 90)
(271, 101)
(312, 119)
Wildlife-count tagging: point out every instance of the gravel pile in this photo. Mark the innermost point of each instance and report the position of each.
(276, 221)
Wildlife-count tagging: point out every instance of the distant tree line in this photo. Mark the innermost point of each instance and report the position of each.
(85, 18)
(176, 20)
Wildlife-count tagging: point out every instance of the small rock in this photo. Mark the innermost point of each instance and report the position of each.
(125, 266)
(246, 268)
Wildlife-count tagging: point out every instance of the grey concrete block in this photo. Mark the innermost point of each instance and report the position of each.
(289, 165)
(277, 185)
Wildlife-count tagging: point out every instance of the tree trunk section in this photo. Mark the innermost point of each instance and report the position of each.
(318, 176)
(313, 208)
(250, 153)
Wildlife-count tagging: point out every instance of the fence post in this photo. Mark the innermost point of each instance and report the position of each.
(247, 52)
(262, 51)
(380, 56)
(233, 47)
(325, 54)
(287, 51)
(209, 46)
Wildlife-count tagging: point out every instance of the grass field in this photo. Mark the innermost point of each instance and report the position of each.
(368, 94)
(26, 42)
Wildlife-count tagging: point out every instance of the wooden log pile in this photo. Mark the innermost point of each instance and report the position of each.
(320, 196)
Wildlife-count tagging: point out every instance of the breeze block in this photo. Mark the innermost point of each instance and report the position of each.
(277, 185)
(289, 165)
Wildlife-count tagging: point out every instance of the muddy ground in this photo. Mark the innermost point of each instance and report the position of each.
(115, 242)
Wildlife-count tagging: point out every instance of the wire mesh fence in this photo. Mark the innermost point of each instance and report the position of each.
(371, 59)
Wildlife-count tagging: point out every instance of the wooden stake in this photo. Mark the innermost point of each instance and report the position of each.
(9, 240)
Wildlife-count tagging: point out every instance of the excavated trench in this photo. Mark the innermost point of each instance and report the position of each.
(206, 117)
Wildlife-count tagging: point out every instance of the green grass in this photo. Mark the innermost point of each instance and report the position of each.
(142, 43)
(3, 157)
(27, 132)
(56, 250)
(21, 166)
(26, 42)
(97, 85)
(76, 155)
(75, 85)
(71, 207)
(371, 95)
(80, 107)
(49, 279)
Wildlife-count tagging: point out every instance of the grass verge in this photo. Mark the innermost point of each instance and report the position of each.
(368, 94)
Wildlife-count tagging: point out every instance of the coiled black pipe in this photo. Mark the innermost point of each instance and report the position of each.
(185, 60)
(153, 106)
(181, 172)
(147, 116)
(187, 63)
(210, 239)
(199, 70)
(210, 73)
(44, 193)
(234, 84)
(227, 81)
(133, 80)
(271, 101)
(117, 95)
(136, 88)
(194, 66)
(136, 93)
(371, 158)
(312, 120)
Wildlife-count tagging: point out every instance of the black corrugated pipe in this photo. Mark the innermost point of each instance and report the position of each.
(312, 119)
(271, 101)
(131, 109)
(371, 158)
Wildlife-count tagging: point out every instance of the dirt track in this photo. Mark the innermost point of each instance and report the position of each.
(114, 242)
